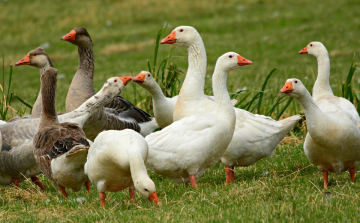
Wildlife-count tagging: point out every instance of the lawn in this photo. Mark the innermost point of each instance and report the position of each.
(285, 187)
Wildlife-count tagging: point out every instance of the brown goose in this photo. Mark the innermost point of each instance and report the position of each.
(17, 161)
(81, 88)
(40, 59)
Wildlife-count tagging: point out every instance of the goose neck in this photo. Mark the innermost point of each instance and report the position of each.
(96, 101)
(137, 166)
(48, 93)
(311, 110)
(86, 60)
(195, 78)
(322, 84)
(221, 94)
(155, 91)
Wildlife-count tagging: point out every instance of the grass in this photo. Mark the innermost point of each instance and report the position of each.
(283, 188)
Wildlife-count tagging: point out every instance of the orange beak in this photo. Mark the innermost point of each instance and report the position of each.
(126, 79)
(24, 61)
(139, 78)
(304, 51)
(288, 88)
(242, 61)
(170, 39)
(70, 37)
(154, 198)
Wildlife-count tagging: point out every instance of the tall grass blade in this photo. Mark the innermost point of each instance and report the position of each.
(283, 109)
(262, 91)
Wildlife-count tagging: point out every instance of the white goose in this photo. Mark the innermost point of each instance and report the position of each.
(116, 160)
(333, 139)
(255, 136)
(186, 148)
(322, 93)
(17, 158)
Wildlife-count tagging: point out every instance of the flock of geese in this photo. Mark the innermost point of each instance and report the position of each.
(100, 138)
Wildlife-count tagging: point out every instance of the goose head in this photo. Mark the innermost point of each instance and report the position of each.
(37, 58)
(78, 36)
(230, 61)
(294, 88)
(314, 48)
(115, 85)
(146, 187)
(182, 36)
(145, 78)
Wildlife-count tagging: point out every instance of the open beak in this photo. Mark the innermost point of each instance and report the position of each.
(242, 61)
(140, 78)
(288, 88)
(154, 198)
(304, 51)
(126, 79)
(170, 39)
(70, 37)
(24, 61)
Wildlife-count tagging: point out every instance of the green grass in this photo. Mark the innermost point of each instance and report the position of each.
(270, 33)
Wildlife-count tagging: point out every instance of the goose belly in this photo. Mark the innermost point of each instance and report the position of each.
(68, 171)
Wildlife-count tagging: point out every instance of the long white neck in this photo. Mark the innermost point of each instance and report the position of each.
(155, 91)
(322, 84)
(222, 99)
(137, 166)
(193, 86)
(36, 111)
(98, 100)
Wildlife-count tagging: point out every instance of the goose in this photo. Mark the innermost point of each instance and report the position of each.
(333, 139)
(120, 114)
(163, 106)
(40, 59)
(322, 92)
(185, 149)
(255, 136)
(17, 160)
(116, 160)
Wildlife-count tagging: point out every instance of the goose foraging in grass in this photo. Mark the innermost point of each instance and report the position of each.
(333, 139)
(185, 149)
(116, 161)
(255, 136)
(120, 113)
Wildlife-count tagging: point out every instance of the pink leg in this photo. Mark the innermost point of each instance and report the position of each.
(37, 182)
(63, 191)
(87, 185)
(325, 176)
(102, 196)
(352, 174)
(15, 181)
(132, 195)
(230, 176)
(193, 181)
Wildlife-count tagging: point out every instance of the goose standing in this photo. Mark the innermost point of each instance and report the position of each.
(322, 92)
(120, 114)
(116, 161)
(186, 148)
(17, 160)
(255, 136)
(333, 139)
(40, 59)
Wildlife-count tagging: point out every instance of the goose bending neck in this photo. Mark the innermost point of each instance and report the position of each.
(311, 110)
(137, 166)
(155, 91)
(194, 82)
(322, 84)
(48, 92)
(95, 102)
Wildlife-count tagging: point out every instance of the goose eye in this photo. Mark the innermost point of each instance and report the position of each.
(311, 45)
(148, 75)
(295, 82)
(181, 30)
(230, 56)
(115, 80)
(34, 54)
(146, 189)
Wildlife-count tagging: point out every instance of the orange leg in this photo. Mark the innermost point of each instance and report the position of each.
(193, 181)
(87, 185)
(37, 182)
(102, 196)
(63, 191)
(132, 195)
(352, 174)
(15, 181)
(230, 176)
(325, 176)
